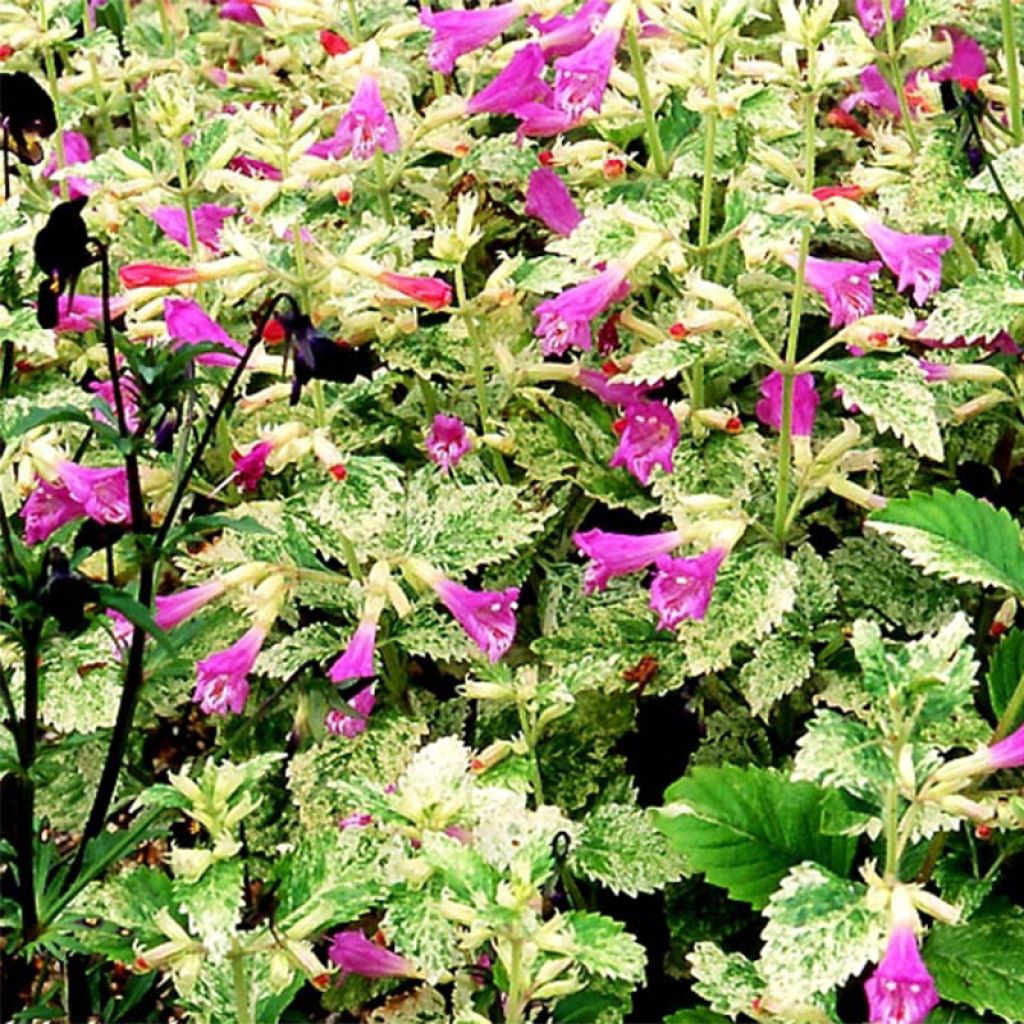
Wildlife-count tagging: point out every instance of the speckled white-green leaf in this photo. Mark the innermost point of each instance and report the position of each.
(780, 664)
(840, 751)
(669, 359)
(981, 306)
(728, 981)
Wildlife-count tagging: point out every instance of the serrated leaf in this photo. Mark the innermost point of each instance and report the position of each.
(744, 828)
(728, 981)
(213, 904)
(316, 643)
(778, 667)
(604, 947)
(1005, 672)
(669, 359)
(416, 928)
(983, 305)
(956, 536)
(837, 750)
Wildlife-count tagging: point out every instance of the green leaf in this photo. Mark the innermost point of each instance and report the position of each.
(837, 750)
(604, 947)
(44, 417)
(671, 358)
(416, 928)
(979, 963)
(778, 667)
(214, 905)
(728, 981)
(1005, 672)
(983, 305)
(956, 536)
(744, 828)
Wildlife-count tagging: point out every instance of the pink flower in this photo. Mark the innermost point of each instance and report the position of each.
(649, 436)
(845, 286)
(338, 723)
(250, 467)
(581, 78)
(1007, 753)
(85, 312)
(221, 684)
(564, 34)
(250, 167)
(967, 63)
(76, 151)
(564, 322)
(597, 383)
(357, 819)
(915, 259)
(487, 616)
(447, 441)
(432, 292)
(187, 324)
(619, 554)
(681, 588)
(130, 397)
(517, 83)
(365, 128)
(47, 509)
(356, 662)
(102, 493)
(805, 403)
(538, 119)
(242, 11)
(461, 31)
(872, 14)
(354, 953)
(875, 91)
(548, 200)
(156, 275)
(934, 373)
(901, 991)
(174, 609)
(208, 219)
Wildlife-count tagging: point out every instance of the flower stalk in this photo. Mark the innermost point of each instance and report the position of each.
(896, 72)
(650, 122)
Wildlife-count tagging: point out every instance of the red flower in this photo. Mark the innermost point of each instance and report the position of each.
(156, 275)
(431, 292)
(333, 43)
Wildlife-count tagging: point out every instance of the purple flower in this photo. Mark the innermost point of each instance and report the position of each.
(872, 14)
(538, 119)
(548, 200)
(564, 322)
(76, 151)
(47, 509)
(187, 324)
(356, 661)
(1007, 753)
(564, 34)
(354, 953)
(102, 493)
(85, 312)
(487, 616)
(129, 396)
(459, 31)
(517, 83)
(681, 588)
(208, 219)
(365, 128)
(250, 167)
(597, 383)
(915, 259)
(174, 609)
(357, 819)
(250, 467)
(845, 286)
(221, 683)
(934, 373)
(805, 403)
(901, 991)
(619, 554)
(242, 11)
(967, 63)
(875, 91)
(581, 78)
(650, 433)
(447, 441)
(339, 723)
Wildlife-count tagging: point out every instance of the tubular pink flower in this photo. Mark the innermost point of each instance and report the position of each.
(597, 383)
(447, 441)
(365, 128)
(875, 91)
(250, 467)
(845, 286)
(517, 83)
(549, 201)
(564, 322)
(916, 260)
(174, 609)
(460, 31)
(934, 373)
(130, 397)
(539, 119)
(187, 324)
(649, 436)
(805, 403)
(582, 77)
(221, 683)
(76, 151)
(156, 275)
(967, 63)
(338, 723)
(357, 819)
(356, 661)
(565, 33)
(242, 11)
(354, 953)
(487, 616)
(432, 292)
(102, 493)
(47, 509)
(208, 219)
(619, 554)
(682, 587)
(872, 14)
(250, 167)
(901, 991)
(85, 312)
(1007, 753)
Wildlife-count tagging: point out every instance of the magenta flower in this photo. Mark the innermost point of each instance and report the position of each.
(517, 83)
(874, 91)
(47, 509)
(339, 723)
(356, 661)
(102, 493)
(872, 14)
(447, 441)
(934, 373)
(805, 403)
(432, 292)
(242, 11)
(221, 683)
(619, 554)
(564, 322)
(845, 286)
(460, 31)
(129, 396)
(1007, 753)
(915, 259)
(250, 167)
(901, 991)
(565, 33)
(682, 587)
(208, 219)
(187, 324)
(85, 312)
(538, 119)
(650, 433)
(581, 77)
(354, 953)
(365, 128)
(487, 616)
(357, 819)
(598, 383)
(76, 151)
(174, 609)
(549, 201)
(967, 63)
(250, 467)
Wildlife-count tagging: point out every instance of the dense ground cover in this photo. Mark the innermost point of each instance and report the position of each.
(512, 513)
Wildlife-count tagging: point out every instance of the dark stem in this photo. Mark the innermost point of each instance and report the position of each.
(7, 369)
(7, 167)
(26, 809)
(987, 160)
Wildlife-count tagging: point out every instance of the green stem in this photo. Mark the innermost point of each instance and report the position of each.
(240, 989)
(186, 198)
(896, 71)
(636, 61)
(891, 825)
(51, 78)
(97, 87)
(353, 16)
(428, 396)
(1013, 73)
(383, 185)
(1010, 713)
(394, 677)
(529, 734)
(165, 28)
(514, 1006)
(708, 179)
